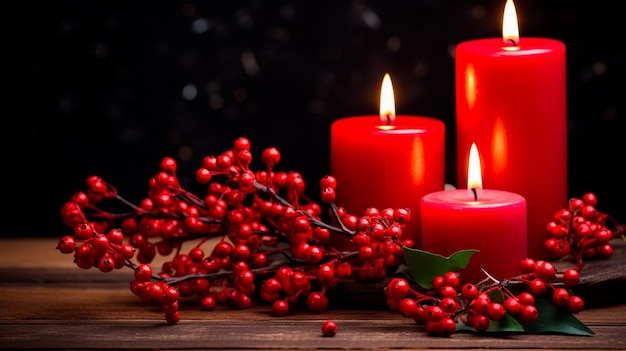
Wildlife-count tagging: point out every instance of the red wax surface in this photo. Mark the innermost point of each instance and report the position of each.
(512, 104)
(379, 167)
(495, 225)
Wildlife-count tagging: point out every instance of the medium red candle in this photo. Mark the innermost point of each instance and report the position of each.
(490, 221)
(387, 161)
(511, 100)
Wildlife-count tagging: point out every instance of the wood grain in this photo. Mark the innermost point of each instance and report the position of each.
(47, 303)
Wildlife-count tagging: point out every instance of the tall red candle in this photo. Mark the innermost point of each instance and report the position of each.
(387, 161)
(511, 100)
(492, 222)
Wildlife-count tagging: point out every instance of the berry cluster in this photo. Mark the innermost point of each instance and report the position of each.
(448, 303)
(581, 231)
(272, 240)
(256, 237)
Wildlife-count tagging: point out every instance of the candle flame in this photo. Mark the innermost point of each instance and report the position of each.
(474, 174)
(387, 102)
(510, 29)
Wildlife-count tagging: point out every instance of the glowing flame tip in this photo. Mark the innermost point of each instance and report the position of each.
(510, 28)
(474, 173)
(387, 101)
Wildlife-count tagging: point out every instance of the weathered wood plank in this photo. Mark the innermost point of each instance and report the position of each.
(277, 333)
(47, 302)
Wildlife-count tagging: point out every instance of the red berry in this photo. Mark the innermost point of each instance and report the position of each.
(546, 271)
(575, 304)
(168, 165)
(480, 322)
(527, 265)
(270, 156)
(280, 308)
(605, 250)
(398, 288)
(452, 279)
(590, 199)
(106, 263)
(408, 307)
(143, 273)
(537, 287)
(203, 175)
(469, 292)
(513, 306)
(438, 282)
(570, 277)
(67, 244)
(447, 291)
(495, 311)
(589, 213)
(528, 313)
(448, 326)
(526, 298)
(328, 181)
(560, 247)
(241, 143)
(317, 302)
(328, 195)
(560, 296)
(603, 235)
(576, 204)
(329, 328)
(481, 304)
(434, 313)
(449, 304)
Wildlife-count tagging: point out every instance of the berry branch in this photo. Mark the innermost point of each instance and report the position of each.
(259, 239)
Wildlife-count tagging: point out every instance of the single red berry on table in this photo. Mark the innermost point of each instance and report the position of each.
(329, 328)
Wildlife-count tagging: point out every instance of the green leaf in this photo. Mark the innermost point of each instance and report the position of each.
(554, 319)
(424, 266)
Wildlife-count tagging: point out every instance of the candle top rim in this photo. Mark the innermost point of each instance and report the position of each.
(526, 46)
(422, 123)
(462, 198)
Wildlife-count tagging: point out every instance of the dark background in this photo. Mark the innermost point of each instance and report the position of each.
(111, 87)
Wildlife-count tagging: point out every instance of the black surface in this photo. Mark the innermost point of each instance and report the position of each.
(95, 87)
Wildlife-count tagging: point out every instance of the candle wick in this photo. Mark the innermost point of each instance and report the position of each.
(475, 194)
(388, 116)
(513, 42)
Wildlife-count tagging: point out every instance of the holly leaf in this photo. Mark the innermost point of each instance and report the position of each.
(424, 265)
(554, 319)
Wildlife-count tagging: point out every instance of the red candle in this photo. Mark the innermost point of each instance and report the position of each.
(490, 221)
(387, 161)
(511, 100)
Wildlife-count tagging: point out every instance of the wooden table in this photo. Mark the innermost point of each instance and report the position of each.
(48, 302)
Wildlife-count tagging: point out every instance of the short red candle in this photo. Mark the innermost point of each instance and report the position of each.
(387, 165)
(494, 224)
(511, 99)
